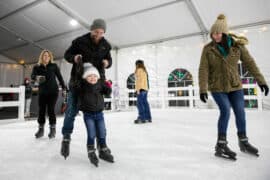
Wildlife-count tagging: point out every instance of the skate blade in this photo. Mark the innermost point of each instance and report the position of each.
(95, 164)
(140, 122)
(250, 153)
(232, 158)
(65, 157)
(110, 161)
(51, 136)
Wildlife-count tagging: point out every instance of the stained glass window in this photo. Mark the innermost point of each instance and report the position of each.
(179, 78)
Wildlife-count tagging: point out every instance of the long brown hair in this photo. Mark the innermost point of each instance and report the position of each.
(224, 42)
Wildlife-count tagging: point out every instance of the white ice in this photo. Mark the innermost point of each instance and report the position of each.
(179, 144)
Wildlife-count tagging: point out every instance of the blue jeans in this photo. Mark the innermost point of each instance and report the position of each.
(143, 106)
(71, 112)
(95, 126)
(225, 101)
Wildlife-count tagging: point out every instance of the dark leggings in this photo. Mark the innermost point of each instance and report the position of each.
(47, 101)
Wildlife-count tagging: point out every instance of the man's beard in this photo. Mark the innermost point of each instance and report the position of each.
(95, 39)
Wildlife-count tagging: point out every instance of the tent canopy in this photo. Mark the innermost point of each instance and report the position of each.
(27, 26)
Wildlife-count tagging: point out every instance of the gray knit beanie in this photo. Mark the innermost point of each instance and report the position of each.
(98, 24)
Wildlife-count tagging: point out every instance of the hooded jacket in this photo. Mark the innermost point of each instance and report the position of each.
(220, 74)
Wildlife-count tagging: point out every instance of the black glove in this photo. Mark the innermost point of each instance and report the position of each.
(265, 89)
(203, 97)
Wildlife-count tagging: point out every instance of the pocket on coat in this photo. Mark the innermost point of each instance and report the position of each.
(214, 82)
(234, 80)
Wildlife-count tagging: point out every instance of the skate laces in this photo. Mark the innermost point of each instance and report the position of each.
(53, 126)
(91, 151)
(244, 139)
(222, 142)
(105, 149)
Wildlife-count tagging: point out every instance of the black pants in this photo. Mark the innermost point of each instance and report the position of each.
(47, 101)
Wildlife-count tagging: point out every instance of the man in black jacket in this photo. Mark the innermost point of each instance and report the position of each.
(91, 47)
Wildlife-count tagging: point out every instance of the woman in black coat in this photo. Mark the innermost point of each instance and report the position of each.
(45, 73)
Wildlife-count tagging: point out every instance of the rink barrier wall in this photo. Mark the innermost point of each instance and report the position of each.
(156, 95)
(20, 103)
(161, 96)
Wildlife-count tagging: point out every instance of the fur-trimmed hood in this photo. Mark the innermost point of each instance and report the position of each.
(241, 40)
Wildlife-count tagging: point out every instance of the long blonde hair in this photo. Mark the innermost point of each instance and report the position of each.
(41, 56)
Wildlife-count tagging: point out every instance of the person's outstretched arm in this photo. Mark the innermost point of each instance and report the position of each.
(72, 52)
(59, 77)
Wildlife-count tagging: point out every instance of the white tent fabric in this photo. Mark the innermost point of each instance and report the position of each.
(163, 58)
(28, 26)
(166, 34)
(11, 74)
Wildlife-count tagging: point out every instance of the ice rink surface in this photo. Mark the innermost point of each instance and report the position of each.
(179, 144)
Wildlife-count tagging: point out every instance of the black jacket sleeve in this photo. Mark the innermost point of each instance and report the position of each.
(109, 58)
(77, 80)
(59, 77)
(71, 52)
(34, 73)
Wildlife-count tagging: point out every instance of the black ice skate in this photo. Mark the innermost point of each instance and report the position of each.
(92, 155)
(246, 147)
(139, 121)
(105, 154)
(65, 146)
(223, 151)
(40, 132)
(52, 132)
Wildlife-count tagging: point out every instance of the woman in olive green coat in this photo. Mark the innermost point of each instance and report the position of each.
(218, 73)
